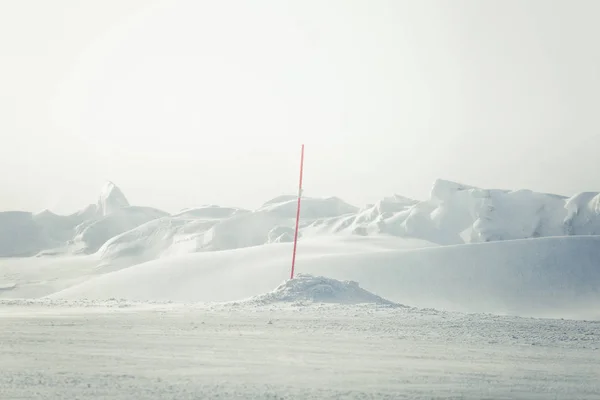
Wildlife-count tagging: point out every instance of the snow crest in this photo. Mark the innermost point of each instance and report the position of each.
(111, 199)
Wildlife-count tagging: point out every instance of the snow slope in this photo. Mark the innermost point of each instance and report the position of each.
(538, 277)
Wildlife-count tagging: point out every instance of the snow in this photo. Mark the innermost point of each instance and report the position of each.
(209, 212)
(454, 214)
(464, 249)
(545, 277)
(583, 214)
(398, 299)
(111, 199)
(317, 289)
(285, 207)
(35, 277)
(281, 234)
(19, 234)
(130, 351)
(98, 232)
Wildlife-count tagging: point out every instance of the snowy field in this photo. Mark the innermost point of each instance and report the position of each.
(121, 350)
(470, 294)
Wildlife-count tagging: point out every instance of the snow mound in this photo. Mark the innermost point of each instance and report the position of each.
(318, 289)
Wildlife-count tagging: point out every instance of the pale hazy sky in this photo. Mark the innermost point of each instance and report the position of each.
(183, 103)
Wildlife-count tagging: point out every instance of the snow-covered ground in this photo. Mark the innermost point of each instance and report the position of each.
(547, 277)
(441, 298)
(121, 350)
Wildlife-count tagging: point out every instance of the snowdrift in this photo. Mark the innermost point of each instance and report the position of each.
(317, 289)
(557, 277)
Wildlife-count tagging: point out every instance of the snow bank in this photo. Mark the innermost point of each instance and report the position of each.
(317, 289)
(542, 277)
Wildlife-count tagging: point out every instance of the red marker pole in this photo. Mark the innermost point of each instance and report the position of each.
(298, 213)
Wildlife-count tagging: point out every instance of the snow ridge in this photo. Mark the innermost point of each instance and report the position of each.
(120, 235)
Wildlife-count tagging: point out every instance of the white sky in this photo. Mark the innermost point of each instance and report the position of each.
(183, 103)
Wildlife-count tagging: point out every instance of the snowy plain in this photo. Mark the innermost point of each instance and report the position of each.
(471, 294)
(123, 350)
